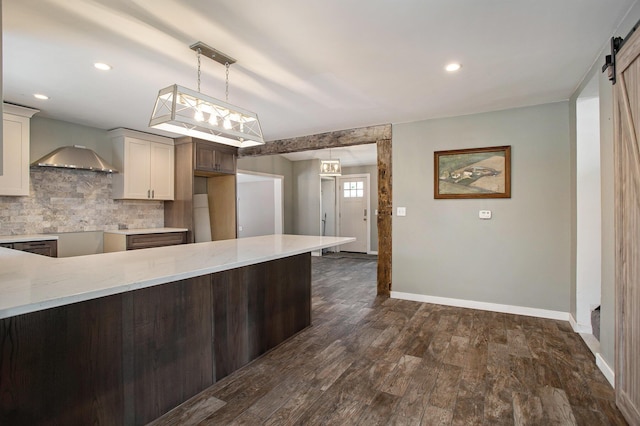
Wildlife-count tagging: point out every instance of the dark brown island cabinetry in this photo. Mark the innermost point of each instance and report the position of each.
(44, 248)
(128, 358)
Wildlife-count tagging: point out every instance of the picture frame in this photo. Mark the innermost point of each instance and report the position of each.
(472, 173)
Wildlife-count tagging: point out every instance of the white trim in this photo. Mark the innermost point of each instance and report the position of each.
(484, 306)
(606, 370)
(18, 110)
(316, 253)
(579, 328)
(373, 252)
(591, 342)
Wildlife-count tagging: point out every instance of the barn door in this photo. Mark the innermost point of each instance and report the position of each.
(627, 227)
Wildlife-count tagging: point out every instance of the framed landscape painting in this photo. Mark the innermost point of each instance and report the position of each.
(473, 173)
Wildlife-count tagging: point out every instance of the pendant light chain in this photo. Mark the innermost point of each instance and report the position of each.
(226, 93)
(199, 52)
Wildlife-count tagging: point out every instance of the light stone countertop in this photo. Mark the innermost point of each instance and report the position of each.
(145, 231)
(25, 238)
(30, 282)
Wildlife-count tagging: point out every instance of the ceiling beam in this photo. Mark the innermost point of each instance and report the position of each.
(360, 136)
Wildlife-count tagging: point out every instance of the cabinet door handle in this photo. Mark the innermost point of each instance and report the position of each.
(148, 193)
(153, 193)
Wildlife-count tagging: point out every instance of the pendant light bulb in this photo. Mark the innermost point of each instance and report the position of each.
(198, 116)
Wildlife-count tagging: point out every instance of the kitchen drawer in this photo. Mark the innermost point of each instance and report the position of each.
(45, 248)
(142, 241)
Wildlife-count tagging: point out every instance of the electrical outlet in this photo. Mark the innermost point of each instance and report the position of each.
(402, 211)
(484, 214)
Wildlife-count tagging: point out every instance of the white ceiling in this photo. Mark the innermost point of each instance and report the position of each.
(304, 67)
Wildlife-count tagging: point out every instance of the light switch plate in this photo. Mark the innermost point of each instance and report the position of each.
(402, 211)
(484, 214)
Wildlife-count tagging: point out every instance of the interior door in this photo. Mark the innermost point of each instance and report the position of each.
(354, 211)
(627, 227)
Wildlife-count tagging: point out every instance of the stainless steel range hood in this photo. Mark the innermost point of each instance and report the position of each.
(75, 157)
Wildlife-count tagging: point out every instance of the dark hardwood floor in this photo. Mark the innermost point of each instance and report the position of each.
(369, 360)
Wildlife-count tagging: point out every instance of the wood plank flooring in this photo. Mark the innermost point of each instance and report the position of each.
(370, 360)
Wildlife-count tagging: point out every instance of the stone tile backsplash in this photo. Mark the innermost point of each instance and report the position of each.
(63, 200)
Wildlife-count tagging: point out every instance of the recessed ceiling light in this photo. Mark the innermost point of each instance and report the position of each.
(40, 96)
(453, 67)
(102, 66)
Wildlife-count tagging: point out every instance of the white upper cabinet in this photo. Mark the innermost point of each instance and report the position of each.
(15, 149)
(145, 164)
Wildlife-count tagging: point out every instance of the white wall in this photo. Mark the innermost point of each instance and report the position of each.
(275, 165)
(588, 220)
(521, 257)
(256, 209)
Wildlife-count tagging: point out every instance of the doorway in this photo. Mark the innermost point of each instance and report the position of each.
(328, 208)
(354, 214)
(588, 214)
(259, 204)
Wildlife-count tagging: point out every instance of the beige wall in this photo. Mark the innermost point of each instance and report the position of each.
(521, 257)
(306, 189)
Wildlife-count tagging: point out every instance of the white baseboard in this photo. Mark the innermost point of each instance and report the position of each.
(372, 252)
(580, 328)
(316, 253)
(606, 370)
(483, 306)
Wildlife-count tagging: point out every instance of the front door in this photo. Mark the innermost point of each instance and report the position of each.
(627, 227)
(354, 211)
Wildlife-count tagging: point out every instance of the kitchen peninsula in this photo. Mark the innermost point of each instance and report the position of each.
(123, 337)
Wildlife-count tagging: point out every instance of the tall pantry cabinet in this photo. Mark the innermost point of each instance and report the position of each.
(204, 167)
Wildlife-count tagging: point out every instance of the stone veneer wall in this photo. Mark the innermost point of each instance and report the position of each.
(63, 200)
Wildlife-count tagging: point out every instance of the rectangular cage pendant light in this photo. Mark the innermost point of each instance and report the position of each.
(191, 113)
(330, 168)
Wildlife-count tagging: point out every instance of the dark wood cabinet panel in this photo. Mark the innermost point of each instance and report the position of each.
(257, 308)
(205, 157)
(172, 329)
(212, 157)
(45, 248)
(142, 241)
(63, 365)
(226, 162)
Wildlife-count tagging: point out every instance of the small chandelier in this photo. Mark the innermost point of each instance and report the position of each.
(191, 113)
(330, 167)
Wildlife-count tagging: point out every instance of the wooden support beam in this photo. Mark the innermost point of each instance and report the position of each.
(360, 136)
(385, 214)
